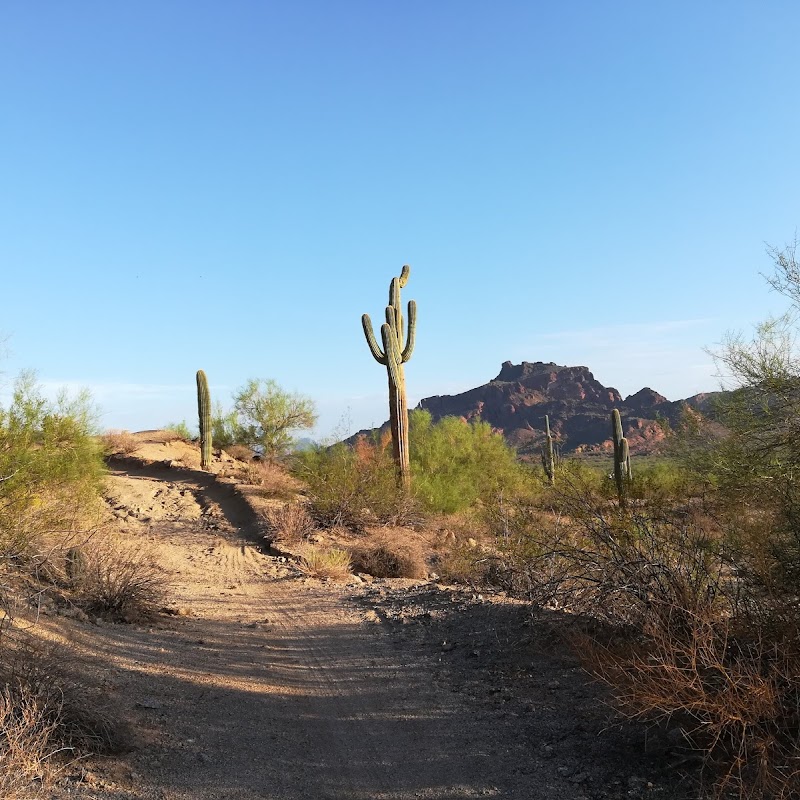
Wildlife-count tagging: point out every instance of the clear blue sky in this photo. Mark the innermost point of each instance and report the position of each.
(230, 185)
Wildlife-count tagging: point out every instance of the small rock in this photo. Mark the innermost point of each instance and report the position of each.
(554, 685)
(564, 772)
(547, 751)
(203, 758)
(447, 647)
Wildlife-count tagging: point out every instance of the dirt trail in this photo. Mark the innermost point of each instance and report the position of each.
(265, 684)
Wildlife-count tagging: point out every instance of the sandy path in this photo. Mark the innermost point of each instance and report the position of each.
(272, 686)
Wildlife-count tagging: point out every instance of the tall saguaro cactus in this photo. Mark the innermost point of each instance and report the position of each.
(622, 458)
(548, 456)
(204, 413)
(397, 349)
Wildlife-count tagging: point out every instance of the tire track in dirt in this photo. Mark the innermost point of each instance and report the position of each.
(270, 686)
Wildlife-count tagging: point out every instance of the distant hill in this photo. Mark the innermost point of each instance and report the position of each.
(578, 405)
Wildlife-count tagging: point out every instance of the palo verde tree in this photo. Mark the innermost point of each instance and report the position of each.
(756, 465)
(397, 349)
(266, 416)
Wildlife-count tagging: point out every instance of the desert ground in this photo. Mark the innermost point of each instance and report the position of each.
(257, 681)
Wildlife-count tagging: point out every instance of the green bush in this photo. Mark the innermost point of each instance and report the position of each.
(181, 430)
(455, 464)
(50, 465)
(352, 486)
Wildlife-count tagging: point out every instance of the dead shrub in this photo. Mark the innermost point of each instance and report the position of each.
(326, 562)
(121, 580)
(290, 522)
(273, 479)
(389, 557)
(735, 696)
(48, 715)
(241, 452)
(119, 442)
(26, 745)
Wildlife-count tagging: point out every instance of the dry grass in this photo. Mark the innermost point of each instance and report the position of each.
(241, 452)
(119, 579)
(738, 703)
(48, 716)
(272, 479)
(326, 563)
(118, 442)
(26, 746)
(290, 522)
(394, 553)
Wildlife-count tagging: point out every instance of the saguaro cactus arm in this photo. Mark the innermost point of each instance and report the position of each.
(412, 330)
(377, 354)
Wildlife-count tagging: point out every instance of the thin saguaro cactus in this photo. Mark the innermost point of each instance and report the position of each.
(204, 413)
(397, 349)
(622, 458)
(548, 456)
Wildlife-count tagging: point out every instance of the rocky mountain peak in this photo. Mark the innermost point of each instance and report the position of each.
(578, 405)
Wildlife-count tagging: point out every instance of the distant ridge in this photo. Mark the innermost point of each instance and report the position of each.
(578, 405)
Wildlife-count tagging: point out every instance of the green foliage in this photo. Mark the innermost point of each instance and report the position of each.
(266, 416)
(180, 429)
(457, 464)
(204, 415)
(50, 464)
(352, 486)
(225, 427)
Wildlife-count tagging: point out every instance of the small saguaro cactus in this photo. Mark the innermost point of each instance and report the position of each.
(204, 413)
(548, 456)
(622, 458)
(397, 349)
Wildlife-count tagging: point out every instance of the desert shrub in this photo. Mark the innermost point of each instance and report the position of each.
(326, 562)
(181, 430)
(48, 715)
(225, 429)
(456, 464)
(273, 478)
(119, 442)
(353, 487)
(391, 555)
(290, 522)
(50, 467)
(241, 452)
(119, 579)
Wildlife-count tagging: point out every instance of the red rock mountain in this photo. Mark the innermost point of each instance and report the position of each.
(578, 405)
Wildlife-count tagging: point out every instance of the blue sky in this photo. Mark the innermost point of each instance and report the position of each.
(229, 186)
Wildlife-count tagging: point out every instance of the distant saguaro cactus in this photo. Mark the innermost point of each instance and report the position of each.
(548, 456)
(622, 458)
(204, 413)
(395, 353)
